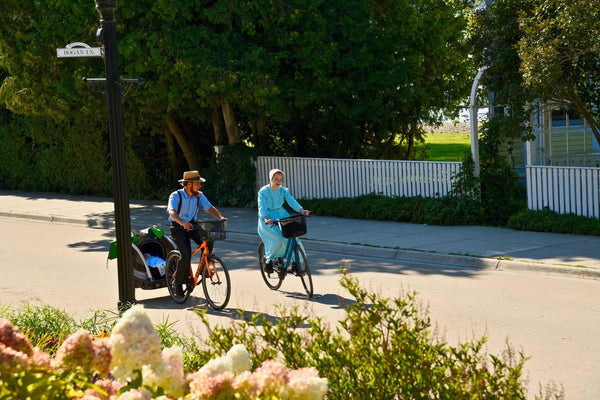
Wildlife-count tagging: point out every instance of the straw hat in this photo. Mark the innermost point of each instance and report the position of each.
(191, 176)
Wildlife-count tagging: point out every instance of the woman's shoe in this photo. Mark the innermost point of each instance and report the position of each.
(269, 267)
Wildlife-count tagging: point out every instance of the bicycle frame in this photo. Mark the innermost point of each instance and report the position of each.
(203, 263)
(289, 252)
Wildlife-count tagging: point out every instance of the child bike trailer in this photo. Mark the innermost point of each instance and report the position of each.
(149, 249)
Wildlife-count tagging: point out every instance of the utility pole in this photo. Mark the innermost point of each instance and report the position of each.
(107, 35)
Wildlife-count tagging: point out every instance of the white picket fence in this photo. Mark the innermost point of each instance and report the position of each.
(561, 189)
(317, 178)
(564, 189)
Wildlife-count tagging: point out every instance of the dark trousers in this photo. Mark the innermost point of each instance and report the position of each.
(183, 239)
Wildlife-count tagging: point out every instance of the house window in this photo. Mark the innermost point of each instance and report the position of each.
(561, 115)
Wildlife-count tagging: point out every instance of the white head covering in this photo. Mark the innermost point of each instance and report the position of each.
(273, 172)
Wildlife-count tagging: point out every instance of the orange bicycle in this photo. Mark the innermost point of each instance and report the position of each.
(211, 270)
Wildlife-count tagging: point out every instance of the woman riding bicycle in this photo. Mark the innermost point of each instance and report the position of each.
(271, 198)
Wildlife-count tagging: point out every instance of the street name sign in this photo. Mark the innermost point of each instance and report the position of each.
(79, 49)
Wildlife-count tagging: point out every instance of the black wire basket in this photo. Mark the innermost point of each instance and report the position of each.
(293, 226)
(217, 229)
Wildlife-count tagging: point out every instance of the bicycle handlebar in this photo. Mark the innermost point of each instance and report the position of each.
(276, 221)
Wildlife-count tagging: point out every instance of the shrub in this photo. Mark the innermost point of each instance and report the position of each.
(549, 221)
(450, 210)
(383, 348)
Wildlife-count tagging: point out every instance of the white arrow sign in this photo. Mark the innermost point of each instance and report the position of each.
(79, 49)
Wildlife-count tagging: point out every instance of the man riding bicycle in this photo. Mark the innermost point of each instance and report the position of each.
(182, 209)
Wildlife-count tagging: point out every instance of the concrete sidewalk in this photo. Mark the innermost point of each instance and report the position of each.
(463, 246)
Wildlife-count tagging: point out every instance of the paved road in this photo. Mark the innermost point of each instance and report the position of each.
(467, 246)
(553, 318)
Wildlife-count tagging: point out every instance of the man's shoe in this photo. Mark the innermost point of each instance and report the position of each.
(294, 268)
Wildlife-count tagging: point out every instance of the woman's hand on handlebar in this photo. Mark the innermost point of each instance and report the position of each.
(269, 221)
(305, 212)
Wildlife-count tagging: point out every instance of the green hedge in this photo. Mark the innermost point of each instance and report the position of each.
(421, 210)
(550, 221)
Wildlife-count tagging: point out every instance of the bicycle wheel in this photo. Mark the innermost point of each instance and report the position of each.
(272, 279)
(304, 270)
(170, 269)
(216, 283)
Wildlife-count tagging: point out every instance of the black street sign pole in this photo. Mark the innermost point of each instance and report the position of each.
(107, 35)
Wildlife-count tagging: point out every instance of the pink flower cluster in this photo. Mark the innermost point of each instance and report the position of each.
(79, 352)
(15, 350)
(271, 380)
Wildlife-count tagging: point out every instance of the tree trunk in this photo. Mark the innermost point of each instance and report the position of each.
(171, 154)
(258, 126)
(233, 134)
(187, 146)
(217, 121)
(411, 142)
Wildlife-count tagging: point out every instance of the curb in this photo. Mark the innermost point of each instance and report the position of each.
(363, 250)
(90, 222)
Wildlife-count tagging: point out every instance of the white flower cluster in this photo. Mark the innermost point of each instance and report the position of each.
(135, 348)
(236, 361)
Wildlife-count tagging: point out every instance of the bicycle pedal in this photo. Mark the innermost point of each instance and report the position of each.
(279, 270)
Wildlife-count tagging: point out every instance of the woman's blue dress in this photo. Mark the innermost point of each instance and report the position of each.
(270, 204)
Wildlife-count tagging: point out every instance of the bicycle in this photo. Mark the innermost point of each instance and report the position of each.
(211, 270)
(294, 260)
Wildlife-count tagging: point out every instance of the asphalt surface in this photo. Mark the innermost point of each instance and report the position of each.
(462, 246)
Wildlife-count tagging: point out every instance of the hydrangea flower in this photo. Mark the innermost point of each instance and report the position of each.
(246, 386)
(111, 387)
(76, 352)
(11, 359)
(12, 337)
(136, 394)
(134, 343)
(305, 384)
(168, 375)
(215, 366)
(102, 356)
(215, 387)
(240, 359)
(272, 377)
(41, 359)
(236, 361)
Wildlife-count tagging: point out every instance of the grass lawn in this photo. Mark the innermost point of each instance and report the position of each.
(447, 146)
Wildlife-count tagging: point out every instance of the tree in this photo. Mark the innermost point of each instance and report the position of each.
(305, 78)
(559, 52)
(37, 83)
(494, 35)
(356, 79)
